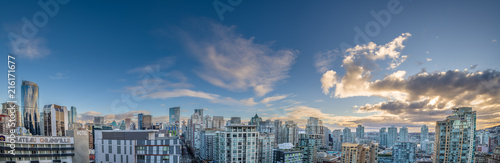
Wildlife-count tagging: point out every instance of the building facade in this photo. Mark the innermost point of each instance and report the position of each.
(404, 152)
(237, 143)
(31, 115)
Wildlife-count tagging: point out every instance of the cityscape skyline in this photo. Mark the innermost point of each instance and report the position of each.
(147, 62)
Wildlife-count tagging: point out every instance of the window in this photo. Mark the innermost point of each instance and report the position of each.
(107, 157)
(166, 157)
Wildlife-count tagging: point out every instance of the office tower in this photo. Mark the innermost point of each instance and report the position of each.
(174, 115)
(235, 120)
(359, 153)
(218, 122)
(147, 122)
(347, 136)
(360, 132)
(289, 133)
(337, 140)
(127, 123)
(424, 133)
(308, 144)
(403, 134)
(55, 120)
(73, 116)
(29, 97)
(392, 136)
(98, 120)
(265, 146)
(255, 120)
(288, 156)
(238, 143)
(10, 108)
(136, 146)
(139, 121)
(382, 137)
(455, 137)
(207, 145)
(404, 152)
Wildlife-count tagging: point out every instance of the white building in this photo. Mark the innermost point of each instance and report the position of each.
(136, 146)
(238, 143)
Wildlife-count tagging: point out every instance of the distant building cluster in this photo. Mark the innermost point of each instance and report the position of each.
(54, 134)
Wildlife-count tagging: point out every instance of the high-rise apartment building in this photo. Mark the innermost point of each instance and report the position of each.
(218, 122)
(127, 123)
(174, 115)
(403, 134)
(265, 146)
(72, 116)
(309, 146)
(289, 133)
(360, 132)
(10, 108)
(55, 120)
(337, 140)
(238, 143)
(347, 136)
(382, 137)
(392, 136)
(424, 135)
(235, 121)
(31, 115)
(404, 152)
(315, 127)
(255, 120)
(359, 153)
(455, 137)
(207, 145)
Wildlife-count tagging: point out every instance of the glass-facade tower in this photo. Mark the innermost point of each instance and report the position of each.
(31, 116)
(174, 114)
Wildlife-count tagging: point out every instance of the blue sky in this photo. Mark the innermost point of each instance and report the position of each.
(263, 57)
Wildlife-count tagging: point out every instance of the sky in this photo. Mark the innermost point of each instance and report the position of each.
(374, 63)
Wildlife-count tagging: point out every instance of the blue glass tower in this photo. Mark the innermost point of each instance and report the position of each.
(31, 116)
(139, 119)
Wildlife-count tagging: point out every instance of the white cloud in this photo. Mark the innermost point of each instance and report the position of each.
(31, 48)
(236, 63)
(493, 40)
(59, 76)
(273, 98)
(428, 59)
(180, 93)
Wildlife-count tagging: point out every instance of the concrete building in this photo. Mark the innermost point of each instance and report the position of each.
(147, 122)
(358, 153)
(360, 132)
(237, 143)
(136, 146)
(127, 123)
(235, 121)
(287, 156)
(347, 136)
(392, 136)
(98, 120)
(218, 122)
(315, 127)
(337, 140)
(289, 133)
(195, 125)
(456, 131)
(44, 149)
(403, 134)
(12, 110)
(207, 145)
(404, 152)
(55, 120)
(265, 146)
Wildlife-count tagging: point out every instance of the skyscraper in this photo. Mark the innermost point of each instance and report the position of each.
(127, 123)
(174, 115)
(455, 137)
(315, 129)
(139, 121)
(289, 133)
(10, 108)
(403, 134)
(424, 135)
(360, 132)
(235, 144)
(383, 137)
(255, 120)
(347, 136)
(72, 115)
(55, 120)
(392, 136)
(29, 97)
(359, 153)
